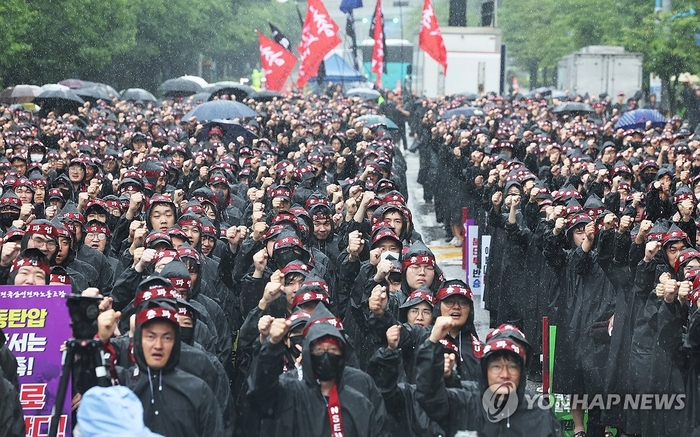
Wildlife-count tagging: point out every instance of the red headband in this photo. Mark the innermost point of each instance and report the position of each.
(421, 260)
(156, 313)
(181, 283)
(506, 345)
(453, 290)
(157, 292)
(422, 295)
(503, 328)
(333, 321)
(31, 262)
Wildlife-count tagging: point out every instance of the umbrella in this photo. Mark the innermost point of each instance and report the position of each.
(62, 100)
(179, 87)
(201, 82)
(467, 111)
(220, 109)
(265, 95)
(570, 107)
(73, 84)
(94, 93)
(378, 119)
(198, 98)
(134, 94)
(239, 90)
(231, 129)
(638, 119)
(363, 93)
(20, 94)
(468, 96)
(54, 87)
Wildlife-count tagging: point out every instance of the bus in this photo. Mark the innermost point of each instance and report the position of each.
(398, 58)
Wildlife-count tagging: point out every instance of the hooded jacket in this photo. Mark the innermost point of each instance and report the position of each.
(298, 405)
(461, 408)
(175, 403)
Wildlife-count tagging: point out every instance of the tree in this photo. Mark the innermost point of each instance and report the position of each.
(669, 47)
(15, 21)
(72, 38)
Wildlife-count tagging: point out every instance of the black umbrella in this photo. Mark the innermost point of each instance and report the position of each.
(94, 93)
(220, 109)
(467, 111)
(568, 108)
(198, 98)
(63, 100)
(239, 90)
(133, 94)
(363, 93)
(231, 130)
(468, 96)
(179, 87)
(265, 95)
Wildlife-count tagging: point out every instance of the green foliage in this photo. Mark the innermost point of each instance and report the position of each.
(131, 43)
(539, 32)
(15, 21)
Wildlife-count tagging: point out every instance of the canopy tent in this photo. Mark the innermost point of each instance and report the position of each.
(339, 71)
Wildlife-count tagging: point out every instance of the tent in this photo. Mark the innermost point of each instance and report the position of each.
(339, 71)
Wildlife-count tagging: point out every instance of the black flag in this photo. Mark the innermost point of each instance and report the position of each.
(279, 37)
(350, 32)
(371, 35)
(321, 74)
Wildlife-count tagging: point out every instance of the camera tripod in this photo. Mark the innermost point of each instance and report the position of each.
(89, 353)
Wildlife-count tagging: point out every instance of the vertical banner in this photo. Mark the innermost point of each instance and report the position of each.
(485, 250)
(473, 267)
(35, 321)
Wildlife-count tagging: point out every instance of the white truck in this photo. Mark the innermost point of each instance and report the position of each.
(600, 69)
(473, 63)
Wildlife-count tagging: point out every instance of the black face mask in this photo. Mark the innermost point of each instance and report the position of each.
(221, 195)
(187, 335)
(647, 177)
(326, 366)
(6, 218)
(295, 341)
(282, 258)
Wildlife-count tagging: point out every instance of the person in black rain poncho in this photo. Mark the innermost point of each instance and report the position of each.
(175, 403)
(297, 404)
(502, 372)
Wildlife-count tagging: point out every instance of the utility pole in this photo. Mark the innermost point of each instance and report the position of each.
(665, 6)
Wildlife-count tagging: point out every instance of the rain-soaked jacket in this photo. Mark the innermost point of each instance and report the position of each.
(175, 403)
(457, 409)
(298, 405)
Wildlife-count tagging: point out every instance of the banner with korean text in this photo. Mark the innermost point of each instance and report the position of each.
(35, 321)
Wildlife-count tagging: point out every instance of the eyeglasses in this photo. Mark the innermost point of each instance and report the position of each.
(497, 367)
(417, 267)
(39, 242)
(100, 236)
(455, 301)
(414, 312)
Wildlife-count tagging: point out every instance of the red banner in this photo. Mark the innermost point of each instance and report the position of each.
(318, 37)
(378, 50)
(276, 61)
(430, 37)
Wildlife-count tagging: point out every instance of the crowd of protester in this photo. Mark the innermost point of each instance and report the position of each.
(276, 285)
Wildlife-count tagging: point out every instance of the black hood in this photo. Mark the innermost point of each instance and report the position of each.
(174, 358)
(316, 331)
(417, 249)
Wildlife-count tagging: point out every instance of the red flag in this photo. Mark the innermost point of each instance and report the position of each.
(430, 37)
(318, 37)
(378, 50)
(276, 61)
